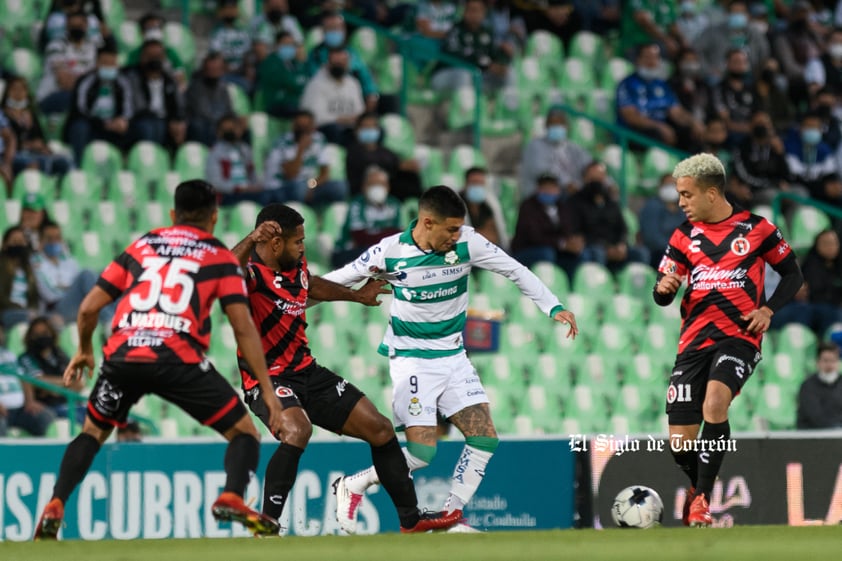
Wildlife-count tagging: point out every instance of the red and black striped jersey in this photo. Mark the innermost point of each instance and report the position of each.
(724, 265)
(168, 280)
(278, 307)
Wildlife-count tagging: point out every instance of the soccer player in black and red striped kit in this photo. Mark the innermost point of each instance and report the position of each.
(167, 281)
(279, 286)
(721, 251)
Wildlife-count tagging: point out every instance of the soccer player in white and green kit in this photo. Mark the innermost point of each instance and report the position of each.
(428, 266)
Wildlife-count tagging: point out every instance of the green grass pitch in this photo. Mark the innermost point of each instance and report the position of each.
(746, 543)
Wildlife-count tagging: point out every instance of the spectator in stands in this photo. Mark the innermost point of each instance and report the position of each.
(733, 33)
(602, 223)
(690, 86)
(232, 40)
(335, 37)
(553, 154)
(472, 41)
(647, 104)
(809, 159)
(485, 213)
(715, 139)
(824, 104)
(282, 76)
(690, 23)
(559, 17)
(45, 360)
(734, 98)
(18, 409)
(159, 114)
(18, 289)
(298, 166)
(759, 161)
(266, 28)
(508, 27)
(547, 229)
(795, 47)
(8, 151)
(820, 395)
(649, 22)
(659, 218)
(33, 213)
(773, 95)
(66, 60)
(825, 71)
(130, 432)
(58, 15)
(152, 29)
(208, 99)
(367, 149)
(32, 149)
(62, 284)
(829, 190)
(372, 215)
(230, 164)
(335, 98)
(435, 18)
(102, 106)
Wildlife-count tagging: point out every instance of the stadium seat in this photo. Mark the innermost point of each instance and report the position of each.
(313, 37)
(33, 181)
(632, 225)
(151, 215)
(128, 36)
(625, 310)
(577, 78)
(656, 163)
(588, 47)
(336, 156)
(180, 38)
(637, 280)
(583, 305)
(806, 223)
(798, 341)
(79, 185)
(544, 409)
(463, 157)
(389, 74)
(150, 163)
(241, 218)
(615, 72)
(333, 219)
(101, 160)
(399, 135)
(648, 371)
(125, 189)
(660, 340)
(785, 369)
(614, 160)
(587, 407)
(552, 371)
(595, 280)
(462, 109)
(18, 14)
(370, 45)
(517, 339)
(25, 62)
(584, 133)
(504, 293)
(777, 407)
(190, 160)
(547, 48)
(240, 102)
(95, 253)
(11, 211)
(533, 76)
(431, 161)
(553, 276)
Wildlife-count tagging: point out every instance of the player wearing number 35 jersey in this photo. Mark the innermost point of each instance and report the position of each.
(167, 281)
(721, 252)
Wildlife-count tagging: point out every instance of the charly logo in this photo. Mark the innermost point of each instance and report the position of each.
(415, 407)
(451, 257)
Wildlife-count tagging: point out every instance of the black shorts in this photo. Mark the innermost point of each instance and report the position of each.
(198, 389)
(327, 398)
(731, 362)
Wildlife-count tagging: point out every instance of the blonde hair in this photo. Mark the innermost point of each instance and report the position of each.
(706, 169)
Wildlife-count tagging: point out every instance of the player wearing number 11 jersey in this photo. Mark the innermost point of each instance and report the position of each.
(168, 280)
(721, 252)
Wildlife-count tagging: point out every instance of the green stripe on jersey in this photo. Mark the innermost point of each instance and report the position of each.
(420, 353)
(428, 330)
(433, 292)
(459, 255)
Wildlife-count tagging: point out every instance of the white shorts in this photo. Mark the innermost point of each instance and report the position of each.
(423, 387)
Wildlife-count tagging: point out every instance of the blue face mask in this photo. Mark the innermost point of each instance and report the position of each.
(737, 21)
(368, 135)
(334, 38)
(548, 199)
(811, 136)
(475, 193)
(53, 249)
(287, 52)
(556, 133)
(107, 72)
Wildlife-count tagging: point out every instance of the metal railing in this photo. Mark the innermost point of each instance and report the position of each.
(73, 398)
(777, 202)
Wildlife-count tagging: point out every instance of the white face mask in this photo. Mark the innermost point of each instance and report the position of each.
(376, 194)
(836, 50)
(667, 193)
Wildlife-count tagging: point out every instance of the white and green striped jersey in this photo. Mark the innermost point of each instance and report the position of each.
(431, 289)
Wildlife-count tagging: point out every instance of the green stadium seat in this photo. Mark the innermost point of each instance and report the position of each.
(785, 369)
(765, 211)
(669, 316)
(151, 215)
(18, 14)
(595, 280)
(462, 108)
(584, 133)
(553, 276)
(79, 185)
(552, 371)
(313, 37)
(547, 48)
(399, 135)
(128, 36)
(336, 156)
(33, 181)
(588, 47)
(533, 76)
(463, 157)
(806, 223)
(26, 63)
(389, 74)
(632, 225)
(101, 160)
(370, 45)
(190, 160)
(180, 39)
(242, 217)
(240, 102)
(637, 280)
(798, 341)
(587, 407)
(659, 340)
(261, 139)
(544, 408)
(95, 253)
(503, 292)
(615, 72)
(149, 162)
(431, 161)
(777, 407)
(577, 79)
(333, 219)
(124, 188)
(613, 158)
(166, 190)
(625, 310)
(649, 372)
(517, 339)
(113, 12)
(656, 163)
(327, 342)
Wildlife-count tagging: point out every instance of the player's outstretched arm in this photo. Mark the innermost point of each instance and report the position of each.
(666, 289)
(792, 278)
(248, 340)
(86, 322)
(324, 290)
(263, 233)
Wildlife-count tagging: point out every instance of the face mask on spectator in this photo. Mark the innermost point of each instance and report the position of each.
(17, 103)
(737, 21)
(376, 194)
(475, 193)
(368, 135)
(334, 38)
(107, 73)
(759, 26)
(229, 20)
(53, 249)
(667, 193)
(76, 33)
(229, 135)
(287, 52)
(811, 136)
(17, 251)
(556, 133)
(691, 69)
(760, 131)
(153, 34)
(835, 50)
(153, 65)
(40, 343)
(649, 73)
(274, 16)
(548, 199)
(336, 71)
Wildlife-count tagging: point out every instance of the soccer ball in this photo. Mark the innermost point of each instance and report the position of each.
(637, 507)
